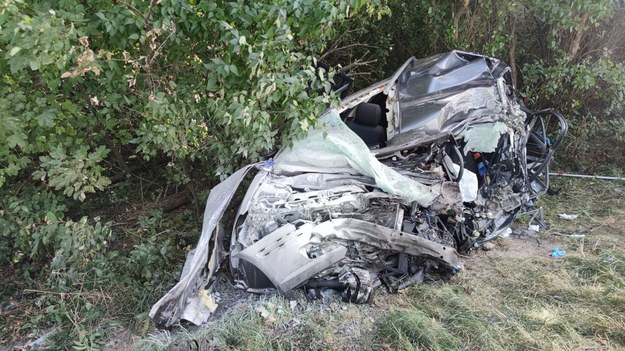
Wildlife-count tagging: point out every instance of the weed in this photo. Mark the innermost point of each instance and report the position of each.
(416, 330)
(538, 303)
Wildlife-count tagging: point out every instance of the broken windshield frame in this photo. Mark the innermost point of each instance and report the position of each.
(393, 80)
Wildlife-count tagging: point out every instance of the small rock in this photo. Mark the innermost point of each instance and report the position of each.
(488, 246)
(527, 233)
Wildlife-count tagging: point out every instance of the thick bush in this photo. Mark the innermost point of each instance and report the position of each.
(93, 92)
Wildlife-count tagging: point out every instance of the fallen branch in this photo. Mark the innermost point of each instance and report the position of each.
(356, 64)
(335, 49)
(87, 294)
(577, 236)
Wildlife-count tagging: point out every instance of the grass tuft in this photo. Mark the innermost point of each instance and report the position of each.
(416, 330)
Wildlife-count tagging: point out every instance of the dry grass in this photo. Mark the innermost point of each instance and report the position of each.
(515, 297)
(540, 303)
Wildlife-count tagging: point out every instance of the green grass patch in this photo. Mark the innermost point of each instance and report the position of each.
(539, 303)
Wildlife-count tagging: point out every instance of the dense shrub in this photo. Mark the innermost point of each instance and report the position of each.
(91, 91)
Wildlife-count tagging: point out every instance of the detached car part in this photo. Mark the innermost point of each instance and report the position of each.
(386, 189)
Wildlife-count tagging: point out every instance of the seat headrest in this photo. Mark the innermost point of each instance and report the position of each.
(368, 114)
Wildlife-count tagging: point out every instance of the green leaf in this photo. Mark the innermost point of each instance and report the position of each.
(16, 140)
(34, 65)
(15, 50)
(51, 217)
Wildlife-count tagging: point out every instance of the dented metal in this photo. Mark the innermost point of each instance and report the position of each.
(189, 298)
(387, 189)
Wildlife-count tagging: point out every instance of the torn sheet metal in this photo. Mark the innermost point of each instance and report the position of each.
(186, 300)
(288, 244)
(449, 92)
(453, 157)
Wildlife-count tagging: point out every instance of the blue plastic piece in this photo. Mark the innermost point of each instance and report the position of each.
(481, 169)
(557, 252)
(268, 166)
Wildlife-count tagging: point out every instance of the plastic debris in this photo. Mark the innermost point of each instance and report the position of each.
(468, 185)
(567, 216)
(268, 165)
(506, 233)
(557, 252)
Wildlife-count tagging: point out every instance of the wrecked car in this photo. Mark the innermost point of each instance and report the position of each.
(387, 189)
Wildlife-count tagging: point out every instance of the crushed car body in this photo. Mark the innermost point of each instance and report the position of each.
(387, 189)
